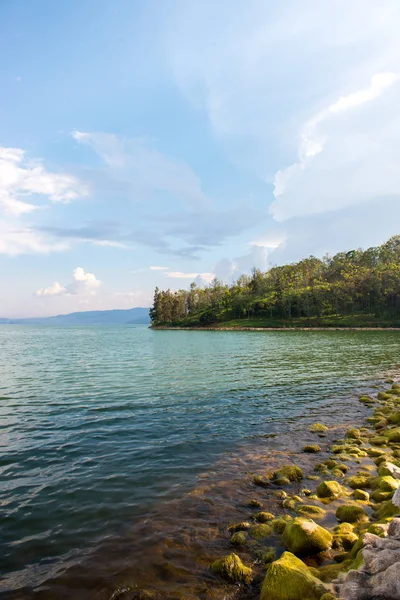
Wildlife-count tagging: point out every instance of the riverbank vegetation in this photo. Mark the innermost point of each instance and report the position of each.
(360, 288)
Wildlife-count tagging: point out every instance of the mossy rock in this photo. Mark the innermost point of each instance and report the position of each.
(379, 460)
(343, 528)
(345, 540)
(378, 440)
(361, 495)
(359, 482)
(242, 526)
(329, 489)
(378, 530)
(393, 435)
(313, 477)
(305, 491)
(389, 469)
(353, 433)
(343, 468)
(329, 572)
(365, 399)
(290, 579)
(278, 525)
(232, 569)
(309, 510)
(375, 452)
(281, 494)
(318, 428)
(304, 537)
(384, 396)
(321, 468)
(351, 513)
(289, 503)
(261, 481)
(331, 463)
(290, 472)
(328, 596)
(239, 538)
(264, 517)
(380, 496)
(312, 448)
(387, 510)
(268, 556)
(254, 504)
(385, 484)
(260, 532)
(337, 473)
(394, 418)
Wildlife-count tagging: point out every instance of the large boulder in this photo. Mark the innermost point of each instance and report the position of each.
(290, 579)
(304, 537)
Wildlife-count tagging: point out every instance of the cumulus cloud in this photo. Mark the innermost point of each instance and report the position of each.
(53, 290)
(22, 180)
(83, 284)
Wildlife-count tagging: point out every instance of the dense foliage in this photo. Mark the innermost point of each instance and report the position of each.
(363, 284)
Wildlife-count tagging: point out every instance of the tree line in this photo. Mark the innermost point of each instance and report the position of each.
(359, 283)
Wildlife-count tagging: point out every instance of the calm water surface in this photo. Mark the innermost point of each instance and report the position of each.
(99, 424)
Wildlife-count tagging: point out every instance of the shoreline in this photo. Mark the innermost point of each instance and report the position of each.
(221, 328)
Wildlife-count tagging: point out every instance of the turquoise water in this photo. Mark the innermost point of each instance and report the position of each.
(99, 424)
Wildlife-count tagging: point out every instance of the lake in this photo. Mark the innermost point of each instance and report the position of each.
(102, 426)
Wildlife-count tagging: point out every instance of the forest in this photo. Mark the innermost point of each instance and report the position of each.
(356, 288)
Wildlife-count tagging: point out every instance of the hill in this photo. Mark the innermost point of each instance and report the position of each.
(132, 316)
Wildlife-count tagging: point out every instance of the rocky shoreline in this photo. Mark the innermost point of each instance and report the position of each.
(327, 531)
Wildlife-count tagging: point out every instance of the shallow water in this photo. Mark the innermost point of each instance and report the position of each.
(107, 429)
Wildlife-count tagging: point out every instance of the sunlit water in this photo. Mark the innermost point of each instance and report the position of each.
(100, 424)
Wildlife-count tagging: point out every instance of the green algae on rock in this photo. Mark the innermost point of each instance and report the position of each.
(290, 472)
(278, 525)
(254, 504)
(309, 510)
(260, 481)
(239, 538)
(242, 526)
(361, 495)
(329, 489)
(318, 428)
(359, 482)
(264, 517)
(260, 532)
(351, 513)
(312, 448)
(290, 579)
(232, 568)
(304, 537)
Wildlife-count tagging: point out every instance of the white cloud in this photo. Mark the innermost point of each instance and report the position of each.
(136, 163)
(22, 180)
(345, 156)
(193, 276)
(83, 284)
(16, 239)
(53, 290)
(159, 268)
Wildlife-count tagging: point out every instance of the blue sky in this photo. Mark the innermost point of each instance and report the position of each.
(148, 143)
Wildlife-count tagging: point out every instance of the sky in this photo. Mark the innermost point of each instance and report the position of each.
(152, 143)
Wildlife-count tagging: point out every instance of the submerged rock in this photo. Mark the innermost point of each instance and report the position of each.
(239, 538)
(264, 517)
(290, 579)
(304, 537)
(309, 510)
(232, 568)
(260, 532)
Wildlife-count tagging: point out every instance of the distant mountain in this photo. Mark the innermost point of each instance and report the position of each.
(132, 316)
